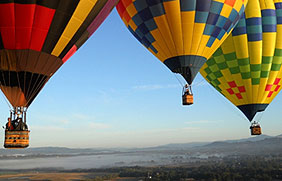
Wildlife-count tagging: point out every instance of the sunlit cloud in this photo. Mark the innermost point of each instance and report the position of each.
(199, 122)
(154, 87)
(191, 128)
(95, 125)
(105, 96)
(39, 128)
(64, 121)
(80, 117)
(54, 119)
(164, 131)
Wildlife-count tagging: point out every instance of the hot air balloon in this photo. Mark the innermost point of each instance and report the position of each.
(182, 34)
(37, 38)
(246, 69)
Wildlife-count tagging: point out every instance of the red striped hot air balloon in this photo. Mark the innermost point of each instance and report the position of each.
(36, 38)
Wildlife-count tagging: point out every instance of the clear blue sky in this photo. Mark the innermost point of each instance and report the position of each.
(114, 93)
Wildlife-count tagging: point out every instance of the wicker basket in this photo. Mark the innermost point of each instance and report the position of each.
(187, 99)
(16, 139)
(256, 130)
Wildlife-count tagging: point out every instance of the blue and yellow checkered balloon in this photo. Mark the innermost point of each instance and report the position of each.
(183, 34)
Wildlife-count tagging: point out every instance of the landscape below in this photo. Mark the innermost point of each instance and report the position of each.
(257, 158)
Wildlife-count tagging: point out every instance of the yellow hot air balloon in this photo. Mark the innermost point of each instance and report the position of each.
(36, 38)
(246, 69)
(182, 34)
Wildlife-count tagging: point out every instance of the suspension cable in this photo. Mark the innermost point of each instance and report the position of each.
(224, 101)
(199, 83)
(6, 100)
(259, 116)
(181, 84)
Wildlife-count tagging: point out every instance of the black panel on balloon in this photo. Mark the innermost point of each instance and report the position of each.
(29, 83)
(187, 65)
(250, 110)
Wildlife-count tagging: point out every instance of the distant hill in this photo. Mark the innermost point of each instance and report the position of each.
(269, 145)
(262, 144)
(177, 146)
(253, 138)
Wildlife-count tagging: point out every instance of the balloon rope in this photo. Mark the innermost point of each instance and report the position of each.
(3, 92)
(40, 83)
(31, 87)
(6, 100)
(228, 106)
(199, 83)
(182, 85)
(259, 116)
(36, 90)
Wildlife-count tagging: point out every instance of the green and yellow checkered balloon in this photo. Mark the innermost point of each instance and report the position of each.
(246, 68)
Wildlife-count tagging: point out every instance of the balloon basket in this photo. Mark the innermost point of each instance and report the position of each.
(255, 130)
(16, 139)
(187, 99)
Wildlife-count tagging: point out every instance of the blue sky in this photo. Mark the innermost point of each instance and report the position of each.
(114, 93)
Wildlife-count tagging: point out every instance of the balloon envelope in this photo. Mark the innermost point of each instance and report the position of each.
(246, 69)
(38, 36)
(181, 33)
